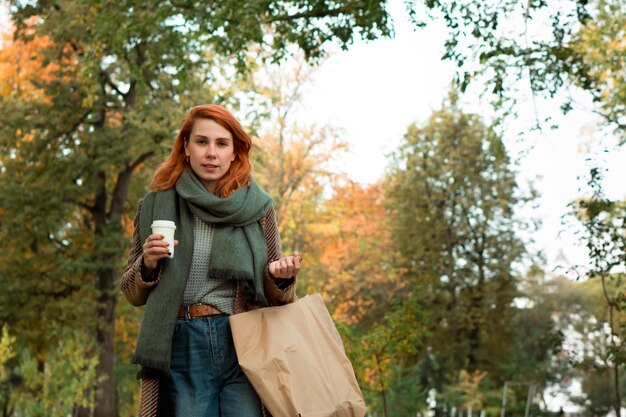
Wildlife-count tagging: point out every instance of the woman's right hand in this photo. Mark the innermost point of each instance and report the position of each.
(154, 248)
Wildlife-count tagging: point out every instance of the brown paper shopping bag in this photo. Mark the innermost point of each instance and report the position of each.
(295, 360)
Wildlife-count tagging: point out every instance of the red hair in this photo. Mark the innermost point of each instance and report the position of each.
(238, 174)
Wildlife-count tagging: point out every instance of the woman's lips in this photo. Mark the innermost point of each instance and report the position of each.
(210, 167)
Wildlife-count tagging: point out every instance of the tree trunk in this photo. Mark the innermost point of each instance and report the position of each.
(79, 411)
(106, 392)
(109, 223)
(610, 303)
(618, 399)
(476, 315)
(382, 387)
(106, 395)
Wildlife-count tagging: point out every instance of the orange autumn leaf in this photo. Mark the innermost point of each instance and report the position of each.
(23, 64)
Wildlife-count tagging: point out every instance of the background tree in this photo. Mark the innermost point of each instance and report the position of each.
(293, 159)
(375, 309)
(363, 282)
(36, 309)
(604, 231)
(505, 46)
(542, 46)
(581, 314)
(452, 196)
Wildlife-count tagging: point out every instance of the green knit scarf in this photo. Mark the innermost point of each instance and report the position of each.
(238, 252)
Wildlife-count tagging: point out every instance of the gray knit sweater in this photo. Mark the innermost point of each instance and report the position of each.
(202, 288)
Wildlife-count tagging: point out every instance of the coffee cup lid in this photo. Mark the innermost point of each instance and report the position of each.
(163, 223)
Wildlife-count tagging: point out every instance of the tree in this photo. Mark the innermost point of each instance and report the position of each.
(552, 46)
(362, 279)
(42, 345)
(293, 159)
(538, 343)
(366, 292)
(71, 156)
(604, 231)
(582, 315)
(600, 44)
(451, 199)
(598, 391)
(20, 62)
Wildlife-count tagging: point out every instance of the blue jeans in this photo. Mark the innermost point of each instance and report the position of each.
(205, 378)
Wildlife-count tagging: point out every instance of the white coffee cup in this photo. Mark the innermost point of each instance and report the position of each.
(165, 228)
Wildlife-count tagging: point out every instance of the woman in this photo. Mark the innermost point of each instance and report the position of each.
(227, 260)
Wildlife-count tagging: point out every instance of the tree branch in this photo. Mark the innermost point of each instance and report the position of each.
(121, 186)
(313, 14)
(140, 160)
(110, 83)
(80, 204)
(76, 124)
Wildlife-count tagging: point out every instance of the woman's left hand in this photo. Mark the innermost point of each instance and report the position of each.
(286, 267)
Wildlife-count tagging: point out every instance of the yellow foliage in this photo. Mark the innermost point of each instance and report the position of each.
(602, 44)
(7, 350)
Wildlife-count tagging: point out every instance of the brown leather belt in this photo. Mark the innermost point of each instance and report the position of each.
(198, 310)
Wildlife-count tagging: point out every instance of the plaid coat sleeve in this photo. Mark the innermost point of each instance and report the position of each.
(135, 286)
(277, 291)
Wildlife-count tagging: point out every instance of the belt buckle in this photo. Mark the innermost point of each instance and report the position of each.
(187, 315)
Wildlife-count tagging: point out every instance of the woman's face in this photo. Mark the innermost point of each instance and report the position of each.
(210, 150)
